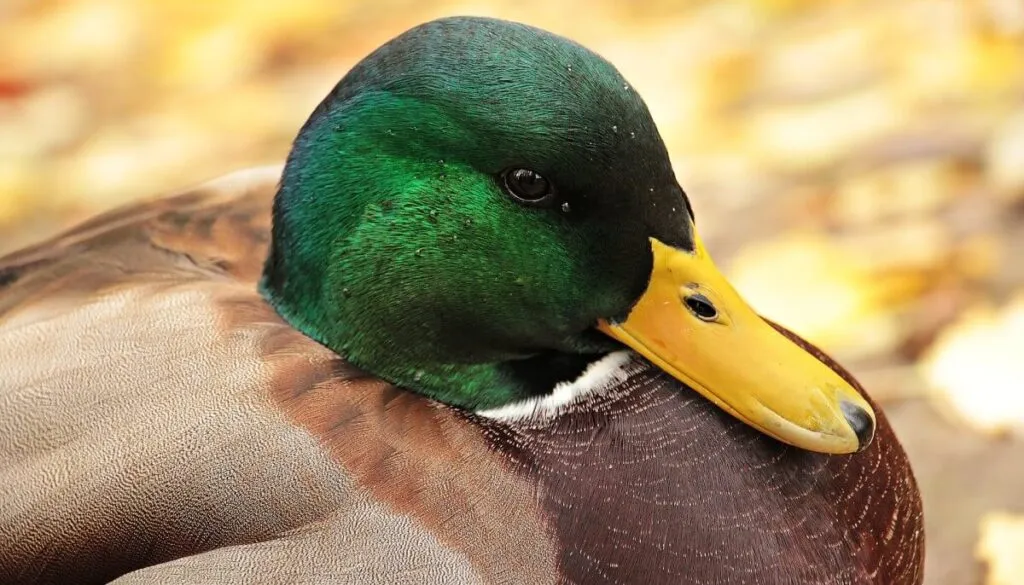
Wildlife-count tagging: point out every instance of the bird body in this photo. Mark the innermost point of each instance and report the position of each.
(405, 358)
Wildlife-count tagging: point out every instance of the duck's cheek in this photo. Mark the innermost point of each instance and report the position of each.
(691, 323)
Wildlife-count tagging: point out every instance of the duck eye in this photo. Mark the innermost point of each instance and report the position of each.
(528, 187)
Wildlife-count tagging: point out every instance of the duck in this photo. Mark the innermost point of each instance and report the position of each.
(467, 333)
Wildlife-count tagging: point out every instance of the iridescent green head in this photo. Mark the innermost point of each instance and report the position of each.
(474, 211)
(473, 193)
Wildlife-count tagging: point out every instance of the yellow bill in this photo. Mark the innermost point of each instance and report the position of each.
(691, 323)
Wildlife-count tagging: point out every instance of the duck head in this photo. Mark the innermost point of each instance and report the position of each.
(480, 208)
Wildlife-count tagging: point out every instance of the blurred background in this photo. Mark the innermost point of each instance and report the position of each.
(857, 167)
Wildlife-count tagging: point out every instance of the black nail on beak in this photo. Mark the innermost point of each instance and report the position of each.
(861, 423)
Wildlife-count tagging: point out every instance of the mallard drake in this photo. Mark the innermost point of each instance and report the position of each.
(468, 334)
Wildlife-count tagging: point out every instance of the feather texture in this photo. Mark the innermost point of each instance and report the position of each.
(159, 423)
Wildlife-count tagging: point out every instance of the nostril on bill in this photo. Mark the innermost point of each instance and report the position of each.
(701, 306)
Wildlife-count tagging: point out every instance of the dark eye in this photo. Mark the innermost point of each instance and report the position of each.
(528, 187)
